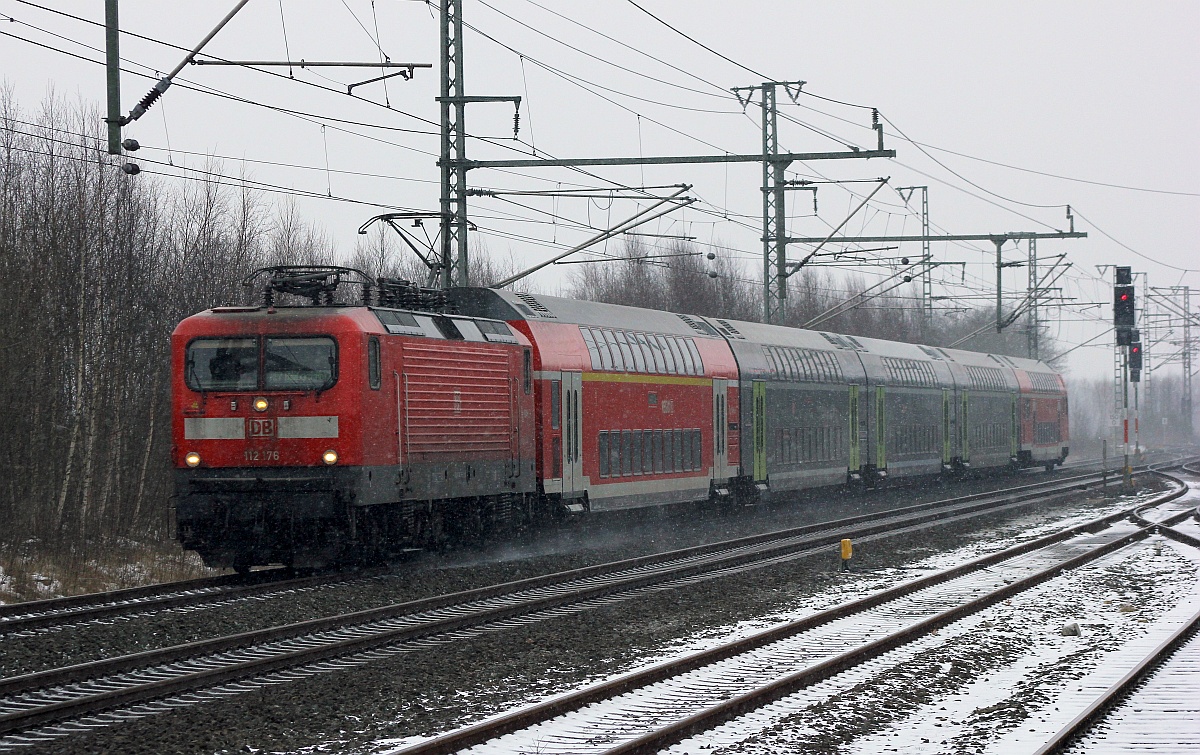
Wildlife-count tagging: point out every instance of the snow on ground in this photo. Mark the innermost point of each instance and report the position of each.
(7, 585)
(1003, 642)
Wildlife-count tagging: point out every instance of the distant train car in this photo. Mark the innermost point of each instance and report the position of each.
(347, 418)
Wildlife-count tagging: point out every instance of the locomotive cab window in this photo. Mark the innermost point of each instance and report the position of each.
(300, 364)
(222, 364)
(528, 372)
(373, 370)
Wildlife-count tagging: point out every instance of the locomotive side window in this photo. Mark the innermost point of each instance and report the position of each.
(528, 372)
(448, 328)
(222, 364)
(373, 371)
(304, 364)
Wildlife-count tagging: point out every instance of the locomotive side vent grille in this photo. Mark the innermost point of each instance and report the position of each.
(536, 306)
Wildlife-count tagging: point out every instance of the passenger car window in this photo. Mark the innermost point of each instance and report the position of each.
(591, 347)
(618, 361)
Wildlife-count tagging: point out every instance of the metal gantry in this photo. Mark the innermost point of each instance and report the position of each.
(454, 258)
(1174, 305)
(999, 239)
(774, 225)
(926, 254)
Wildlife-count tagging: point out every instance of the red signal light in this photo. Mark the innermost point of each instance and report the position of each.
(1124, 297)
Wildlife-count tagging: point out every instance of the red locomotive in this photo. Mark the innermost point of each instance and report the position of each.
(348, 418)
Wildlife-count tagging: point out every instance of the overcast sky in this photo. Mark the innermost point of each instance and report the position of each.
(1102, 95)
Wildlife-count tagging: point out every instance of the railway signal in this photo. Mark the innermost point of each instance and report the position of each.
(1124, 316)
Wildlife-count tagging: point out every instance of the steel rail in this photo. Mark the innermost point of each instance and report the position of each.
(741, 704)
(927, 512)
(721, 556)
(39, 613)
(110, 596)
(1111, 697)
(83, 608)
(526, 717)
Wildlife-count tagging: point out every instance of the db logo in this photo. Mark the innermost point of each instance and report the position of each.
(260, 428)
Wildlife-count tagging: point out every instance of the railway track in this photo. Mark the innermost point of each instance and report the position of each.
(1146, 705)
(105, 691)
(78, 609)
(649, 710)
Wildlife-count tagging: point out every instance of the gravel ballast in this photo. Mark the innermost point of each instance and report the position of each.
(417, 694)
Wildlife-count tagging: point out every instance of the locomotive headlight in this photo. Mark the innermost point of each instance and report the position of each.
(192, 459)
(260, 404)
(329, 457)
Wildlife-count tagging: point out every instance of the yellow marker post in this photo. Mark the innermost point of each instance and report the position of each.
(847, 553)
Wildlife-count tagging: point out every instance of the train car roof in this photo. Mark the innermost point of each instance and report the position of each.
(501, 304)
(349, 318)
(781, 335)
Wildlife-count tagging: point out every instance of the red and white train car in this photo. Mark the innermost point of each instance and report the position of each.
(635, 407)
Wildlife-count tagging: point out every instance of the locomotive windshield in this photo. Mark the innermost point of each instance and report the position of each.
(223, 364)
(288, 363)
(300, 364)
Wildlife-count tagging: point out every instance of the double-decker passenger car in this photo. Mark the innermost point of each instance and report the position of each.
(380, 416)
(634, 404)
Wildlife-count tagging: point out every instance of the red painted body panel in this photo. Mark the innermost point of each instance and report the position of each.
(1039, 405)
(343, 400)
(616, 401)
(438, 400)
